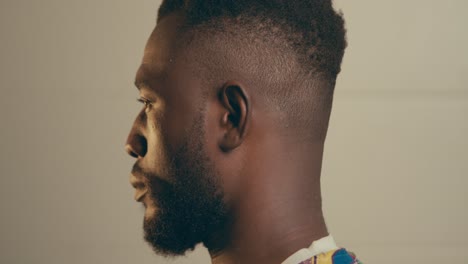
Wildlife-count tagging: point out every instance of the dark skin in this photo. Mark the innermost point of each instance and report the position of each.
(270, 176)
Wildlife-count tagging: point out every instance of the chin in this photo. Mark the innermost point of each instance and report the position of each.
(150, 209)
(150, 213)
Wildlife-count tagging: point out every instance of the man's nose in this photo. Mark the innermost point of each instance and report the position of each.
(136, 145)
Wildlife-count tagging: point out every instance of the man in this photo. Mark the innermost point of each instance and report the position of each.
(236, 101)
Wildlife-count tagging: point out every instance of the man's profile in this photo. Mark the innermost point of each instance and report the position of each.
(236, 100)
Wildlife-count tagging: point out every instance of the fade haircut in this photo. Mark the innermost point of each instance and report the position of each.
(298, 46)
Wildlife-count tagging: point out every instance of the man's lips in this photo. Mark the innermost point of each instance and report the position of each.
(140, 188)
(139, 195)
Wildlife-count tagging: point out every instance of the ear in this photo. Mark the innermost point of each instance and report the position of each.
(236, 115)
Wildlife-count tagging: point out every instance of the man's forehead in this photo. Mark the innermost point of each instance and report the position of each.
(160, 48)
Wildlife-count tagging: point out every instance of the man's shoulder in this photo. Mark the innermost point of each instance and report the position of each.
(339, 256)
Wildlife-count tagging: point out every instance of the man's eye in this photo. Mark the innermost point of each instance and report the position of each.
(144, 101)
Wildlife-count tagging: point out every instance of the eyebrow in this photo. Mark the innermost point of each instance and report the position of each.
(139, 84)
(141, 75)
(145, 78)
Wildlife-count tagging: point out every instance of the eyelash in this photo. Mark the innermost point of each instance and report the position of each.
(145, 102)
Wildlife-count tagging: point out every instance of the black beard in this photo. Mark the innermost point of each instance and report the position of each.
(190, 209)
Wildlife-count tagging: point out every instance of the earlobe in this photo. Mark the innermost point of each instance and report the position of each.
(236, 117)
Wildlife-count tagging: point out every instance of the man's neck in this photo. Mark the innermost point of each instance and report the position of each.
(256, 245)
(279, 211)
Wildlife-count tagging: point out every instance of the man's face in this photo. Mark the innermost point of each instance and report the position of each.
(173, 175)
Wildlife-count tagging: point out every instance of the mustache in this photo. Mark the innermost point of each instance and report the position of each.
(150, 177)
(138, 170)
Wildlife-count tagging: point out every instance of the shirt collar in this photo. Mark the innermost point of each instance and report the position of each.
(322, 245)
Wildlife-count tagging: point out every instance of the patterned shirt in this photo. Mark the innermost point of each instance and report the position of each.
(339, 256)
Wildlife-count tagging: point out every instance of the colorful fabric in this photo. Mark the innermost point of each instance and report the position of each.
(340, 256)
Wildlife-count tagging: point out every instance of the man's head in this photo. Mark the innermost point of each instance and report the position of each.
(220, 80)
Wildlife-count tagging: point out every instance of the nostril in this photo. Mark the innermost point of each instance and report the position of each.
(130, 151)
(136, 146)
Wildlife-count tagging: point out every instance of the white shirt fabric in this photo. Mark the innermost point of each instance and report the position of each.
(320, 246)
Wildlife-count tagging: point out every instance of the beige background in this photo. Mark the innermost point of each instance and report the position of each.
(396, 164)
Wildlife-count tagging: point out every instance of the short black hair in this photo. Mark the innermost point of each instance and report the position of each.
(315, 29)
(311, 29)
